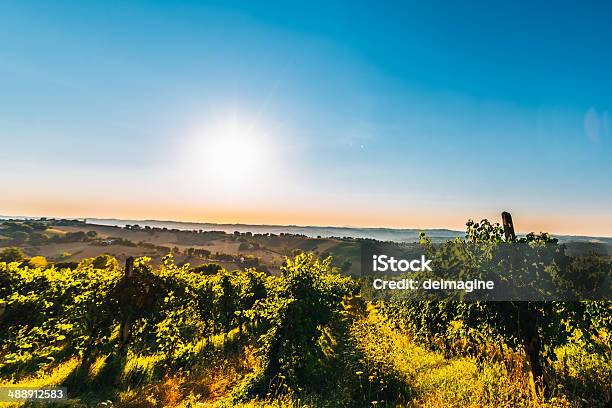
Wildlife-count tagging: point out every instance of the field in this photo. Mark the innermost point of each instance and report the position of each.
(277, 323)
(73, 241)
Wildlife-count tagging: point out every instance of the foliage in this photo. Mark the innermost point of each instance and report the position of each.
(155, 336)
(536, 327)
(37, 262)
(12, 254)
(305, 299)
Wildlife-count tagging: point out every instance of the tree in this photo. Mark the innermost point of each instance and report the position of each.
(37, 238)
(37, 262)
(12, 255)
(20, 237)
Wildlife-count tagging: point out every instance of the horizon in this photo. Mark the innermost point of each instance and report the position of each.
(309, 114)
(122, 221)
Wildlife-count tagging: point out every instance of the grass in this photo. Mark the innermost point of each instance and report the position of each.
(374, 365)
(48, 378)
(432, 379)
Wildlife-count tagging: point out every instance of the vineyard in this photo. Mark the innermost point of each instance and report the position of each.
(142, 336)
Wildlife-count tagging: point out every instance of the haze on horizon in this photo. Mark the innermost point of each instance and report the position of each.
(341, 114)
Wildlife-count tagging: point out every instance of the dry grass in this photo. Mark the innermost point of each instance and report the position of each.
(52, 378)
(437, 381)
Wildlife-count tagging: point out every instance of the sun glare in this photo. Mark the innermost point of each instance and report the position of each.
(232, 154)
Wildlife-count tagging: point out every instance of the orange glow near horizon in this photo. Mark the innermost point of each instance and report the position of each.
(573, 224)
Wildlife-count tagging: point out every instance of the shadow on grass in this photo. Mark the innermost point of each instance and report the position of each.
(112, 374)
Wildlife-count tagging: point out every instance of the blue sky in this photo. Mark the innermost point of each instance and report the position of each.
(359, 113)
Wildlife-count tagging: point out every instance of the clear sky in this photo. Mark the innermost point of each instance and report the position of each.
(318, 113)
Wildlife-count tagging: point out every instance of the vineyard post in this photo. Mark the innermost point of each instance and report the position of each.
(508, 226)
(127, 319)
(2, 308)
(530, 337)
(129, 266)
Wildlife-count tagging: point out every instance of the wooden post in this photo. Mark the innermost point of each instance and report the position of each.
(508, 227)
(126, 324)
(129, 266)
(530, 336)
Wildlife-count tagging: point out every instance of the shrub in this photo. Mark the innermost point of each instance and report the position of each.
(37, 262)
(12, 255)
(301, 303)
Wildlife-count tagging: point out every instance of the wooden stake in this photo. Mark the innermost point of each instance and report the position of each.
(129, 266)
(508, 227)
(126, 324)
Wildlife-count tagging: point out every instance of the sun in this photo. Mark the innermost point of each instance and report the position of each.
(232, 154)
(238, 146)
